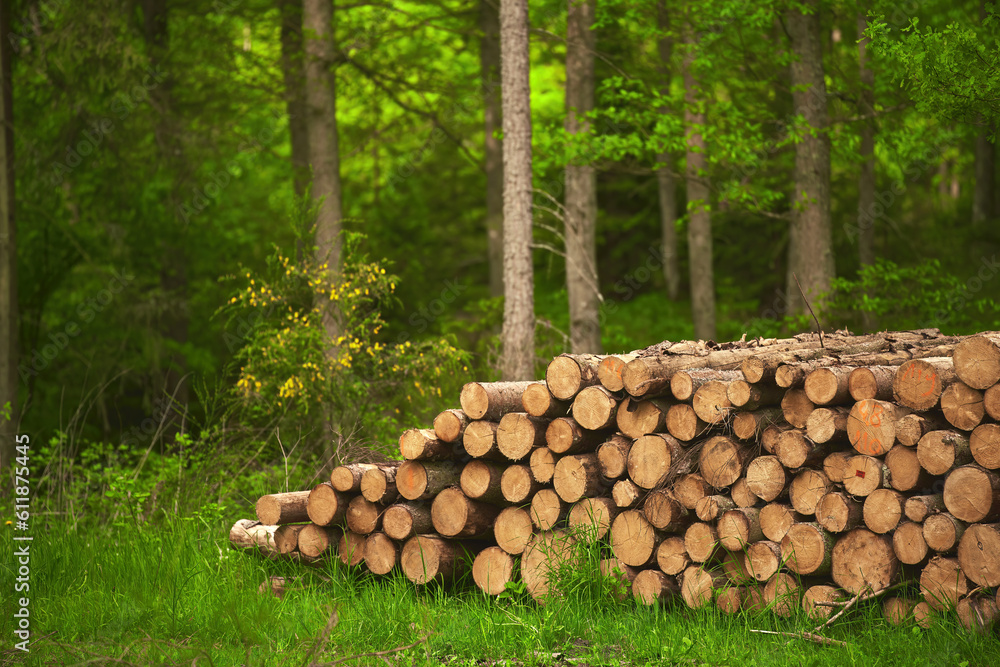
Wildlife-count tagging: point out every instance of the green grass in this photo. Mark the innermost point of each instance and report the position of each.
(176, 594)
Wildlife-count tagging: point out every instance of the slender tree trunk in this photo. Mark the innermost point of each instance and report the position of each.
(8, 248)
(811, 240)
(518, 275)
(489, 67)
(698, 204)
(321, 123)
(295, 93)
(984, 196)
(666, 182)
(866, 182)
(581, 186)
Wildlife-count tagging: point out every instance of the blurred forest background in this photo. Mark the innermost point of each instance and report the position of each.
(169, 301)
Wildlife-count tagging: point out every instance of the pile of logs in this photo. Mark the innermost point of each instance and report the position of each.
(755, 474)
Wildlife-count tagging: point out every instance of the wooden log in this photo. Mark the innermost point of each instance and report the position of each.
(663, 511)
(286, 537)
(315, 541)
(612, 456)
(797, 407)
(637, 418)
(595, 408)
(864, 474)
(450, 425)
(871, 426)
(754, 601)
(734, 566)
(565, 436)
(758, 369)
(977, 360)
(739, 527)
(984, 443)
(513, 530)
(672, 556)
(620, 575)
(711, 402)
(683, 423)
(746, 396)
(767, 478)
(456, 515)
(422, 444)
(404, 520)
(363, 516)
(750, 425)
(381, 553)
(419, 480)
(905, 472)
(654, 458)
(897, 610)
(763, 559)
(919, 382)
(838, 512)
(783, 593)
(481, 481)
(537, 401)
(806, 490)
(710, 508)
(545, 555)
(871, 382)
(972, 494)
(577, 476)
(590, 519)
(940, 451)
(702, 542)
(699, 586)
(908, 543)
(742, 495)
(821, 593)
(770, 435)
(650, 376)
(547, 509)
(378, 484)
(567, 375)
(776, 519)
(250, 535)
(942, 532)
(991, 401)
(918, 508)
(611, 369)
(427, 558)
(492, 400)
(652, 587)
(685, 383)
(883, 510)
(730, 600)
(829, 386)
(836, 464)
(827, 424)
(913, 426)
(633, 538)
(721, 460)
(518, 433)
(277, 508)
(962, 406)
(791, 376)
(347, 478)
(689, 489)
(943, 583)
(324, 506)
(351, 548)
(626, 494)
(518, 485)
(923, 615)
(978, 613)
(480, 441)
(863, 559)
(492, 570)
(543, 465)
(795, 450)
(979, 554)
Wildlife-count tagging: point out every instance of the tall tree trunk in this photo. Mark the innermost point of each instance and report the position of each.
(866, 182)
(295, 92)
(581, 186)
(666, 183)
(810, 239)
(983, 196)
(698, 204)
(489, 67)
(518, 275)
(8, 248)
(321, 125)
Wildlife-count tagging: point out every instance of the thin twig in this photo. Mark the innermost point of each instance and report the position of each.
(819, 639)
(373, 654)
(809, 306)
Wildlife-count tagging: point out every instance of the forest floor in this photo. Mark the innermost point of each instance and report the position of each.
(174, 593)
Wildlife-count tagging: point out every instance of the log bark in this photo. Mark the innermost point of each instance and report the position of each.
(595, 408)
(702, 542)
(972, 494)
(315, 541)
(663, 511)
(381, 553)
(807, 549)
(421, 444)
(722, 461)
(827, 424)
(492, 570)
(565, 436)
(829, 386)
(363, 516)
(672, 556)
(418, 480)
(378, 484)
(767, 478)
(637, 418)
(450, 425)
(776, 519)
(684, 424)
(543, 465)
(871, 426)
(711, 402)
(480, 441)
(984, 443)
(347, 478)
(909, 544)
(278, 508)
(652, 587)
(943, 583)
(806, 490)
(864, 474)
(918, 508)
(919, 382)
(962, 406)
(247, 534)
(481, 481)
(518, 485)
(537, 401)
(862, 559)
(740, 527)
(545, 554)
(942, 532)
(684, 384)
(751, 425)
(979, 554)
(326, 506)
(547, 509)
(795, 450)
(762, 559)
(699, 586)
(633, 538)
(905, 473)
(654, 458)
(883, 510)
(591, 518)
(689, 489)
(796, 407)
(568, 374)
(578, 476)
(610, 370)
(492, 400)
(838, 512)
(519, 433)
(456, 515)
(977, 360)
(871, 382)
(427, 558)
(612, 456)
(513, 530)
(626, 494)
(404, 520)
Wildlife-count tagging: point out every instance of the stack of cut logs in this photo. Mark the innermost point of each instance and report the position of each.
(754, 474)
